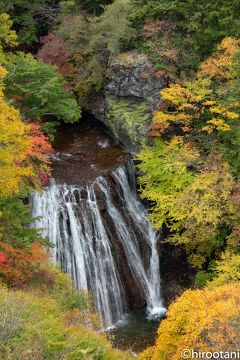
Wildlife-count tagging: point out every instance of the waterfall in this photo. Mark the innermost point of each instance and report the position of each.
(72, 218)
(149, 280)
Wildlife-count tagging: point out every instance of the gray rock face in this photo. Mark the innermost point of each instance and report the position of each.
(132, 75)
(130, 95)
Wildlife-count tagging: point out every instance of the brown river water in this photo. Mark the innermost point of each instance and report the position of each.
(84, 151)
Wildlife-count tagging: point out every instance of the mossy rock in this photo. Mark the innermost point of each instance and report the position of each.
(128, 120)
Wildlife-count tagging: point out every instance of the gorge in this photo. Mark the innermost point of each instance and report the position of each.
(119, 179)
(91, 214)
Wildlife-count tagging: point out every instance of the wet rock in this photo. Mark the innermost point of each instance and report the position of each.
(176, 274)
(134, 294)
(76, 196)
(129, 120)
(132, 75)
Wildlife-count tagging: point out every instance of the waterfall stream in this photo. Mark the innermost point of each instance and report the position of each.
(72, 217)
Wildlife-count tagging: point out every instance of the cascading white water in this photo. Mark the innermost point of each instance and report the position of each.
(149, 280)
(70, 216)
(81, 244)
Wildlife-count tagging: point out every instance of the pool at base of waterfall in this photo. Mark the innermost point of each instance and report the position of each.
(156, 312)
(135, 332)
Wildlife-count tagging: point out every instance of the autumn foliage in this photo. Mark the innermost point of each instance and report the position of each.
(220, 64)
(196, 106)
(39, 152)
(18, 267)
(207, 320)
(15, 144)
(2, 258)
(24, 151)
(40, 145)
(190, 173)
(35, 325)
(55, 51)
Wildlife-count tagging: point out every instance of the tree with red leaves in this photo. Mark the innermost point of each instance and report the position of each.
(39, 153)
(19, 267)
(40, 145)
(55, 52)
(2, 258)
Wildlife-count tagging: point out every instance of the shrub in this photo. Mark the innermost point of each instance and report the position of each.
(200, 319)
(33, 326)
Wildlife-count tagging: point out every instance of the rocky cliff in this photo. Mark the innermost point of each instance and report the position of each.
(130, 94)
(126, 102)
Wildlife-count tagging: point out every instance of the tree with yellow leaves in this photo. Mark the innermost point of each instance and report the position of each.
(200, 320)
(221, 65)
(8, 37)
(227, 270)
(191, 205)
(199, 105)
(191, 194)
(14, 146)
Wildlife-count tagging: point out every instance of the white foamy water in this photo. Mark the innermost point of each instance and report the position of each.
(71, 217)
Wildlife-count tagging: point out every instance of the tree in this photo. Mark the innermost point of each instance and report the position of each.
(195, 109)
(38, 90)
(55, 51)
(221, 65)
(226, 270)
(189, 29)
(31, 18)
(15, 221)
(39, 153)
(23, 160)
(92, 42)
(203, 104)
(191, 205)
(21, 266)
(165, 175)
(24, 150)
(8, 37)
(199, 213)
(95, 7)
(205, 320)
(15, 144)
(223, 68)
